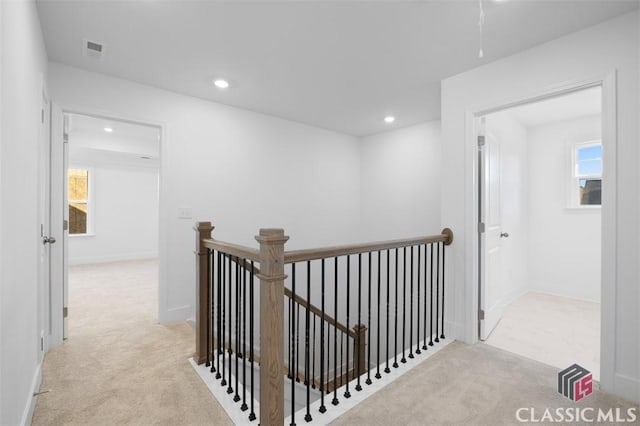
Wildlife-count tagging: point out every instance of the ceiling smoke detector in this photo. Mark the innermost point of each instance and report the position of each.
(93, 49)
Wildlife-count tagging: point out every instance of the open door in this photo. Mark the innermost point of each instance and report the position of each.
(44, 219)
(490, 235)
(59, 226)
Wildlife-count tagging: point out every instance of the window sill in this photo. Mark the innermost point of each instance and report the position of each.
(584, 209)
(89, 235)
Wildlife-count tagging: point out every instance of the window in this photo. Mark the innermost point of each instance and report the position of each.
(587, 174)
(78, 187)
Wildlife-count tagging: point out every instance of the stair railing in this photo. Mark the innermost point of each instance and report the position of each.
(326, 285)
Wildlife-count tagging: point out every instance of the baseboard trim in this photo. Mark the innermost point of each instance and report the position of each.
(113, 258)
(30, 407)
(627, 387)
(180, 313)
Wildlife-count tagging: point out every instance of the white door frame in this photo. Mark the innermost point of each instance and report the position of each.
(608, 82)
(57, 302)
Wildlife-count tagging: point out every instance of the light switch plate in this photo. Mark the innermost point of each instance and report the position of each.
(185, 213)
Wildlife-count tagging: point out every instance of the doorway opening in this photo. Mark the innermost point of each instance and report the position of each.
(112, 203)
(540, 197)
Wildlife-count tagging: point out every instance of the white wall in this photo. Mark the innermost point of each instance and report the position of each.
(514, 204)
(124, 210)
(585, 55)
(22, 65)
(400, 175)
(239, 169)
(570, 266)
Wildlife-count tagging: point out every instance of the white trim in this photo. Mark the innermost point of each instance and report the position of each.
(177, 314)
(609, 208)
(333, 411)
(627, 387)
(27, 414)
(164, 314)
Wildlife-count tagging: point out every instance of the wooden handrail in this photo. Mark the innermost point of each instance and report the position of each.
(232, 249)
(296, 256)
(272, 258)
(302, 302)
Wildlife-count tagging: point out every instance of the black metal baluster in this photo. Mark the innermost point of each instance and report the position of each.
(386, 369)
(298, 343)
(244, 406)
(347, 394)
(230, 388)
(252, 414)
(308, 379)
(431, 299)
(368, 381)
(437, 290)
(341, 359)
(443, 282)
(404, 300)
(236, 397)
(335, 332)
(328, 357)
(424, 340)
(219, 314)
(418, 306)
(290, 338)
(215, 267)
(208, 325)
(313, 373)
(223, 382)
(411, 306)
(360, 354)
(377, 376)
(293, 348)
(395, 333)
(322, 408)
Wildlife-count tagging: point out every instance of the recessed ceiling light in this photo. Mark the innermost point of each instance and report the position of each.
(389, 119)
(108, 129)
(221, 84)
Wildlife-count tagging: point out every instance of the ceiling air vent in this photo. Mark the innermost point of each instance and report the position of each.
(93, 49)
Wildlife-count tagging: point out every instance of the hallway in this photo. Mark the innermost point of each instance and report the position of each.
(119, 366)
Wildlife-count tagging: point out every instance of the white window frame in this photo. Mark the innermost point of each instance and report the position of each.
(574, 177)
(90, 212)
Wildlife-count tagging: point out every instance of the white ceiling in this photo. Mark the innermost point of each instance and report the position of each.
(579, 104)
(128, 144)
(340, 65)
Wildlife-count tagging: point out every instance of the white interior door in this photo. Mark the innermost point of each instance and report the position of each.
(44, 219)
(491, 277)
(59, 226)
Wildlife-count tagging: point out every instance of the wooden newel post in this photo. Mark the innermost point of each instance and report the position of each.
(359, 350)
(271, 326)
(203, 230)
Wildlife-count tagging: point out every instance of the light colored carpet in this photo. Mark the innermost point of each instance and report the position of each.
(551, 329)
(119, 366)
(470, 385)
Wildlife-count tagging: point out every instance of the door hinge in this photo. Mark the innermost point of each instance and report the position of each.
(481, 314)
(481, 140)
(481, 228)
(65, 138)
(65, 312)
(42, 115)
(65, 225)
